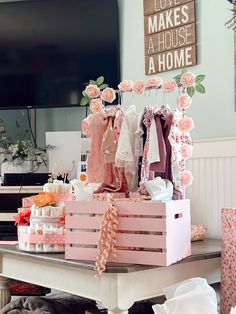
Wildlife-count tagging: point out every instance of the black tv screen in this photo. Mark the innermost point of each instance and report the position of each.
(49, 49)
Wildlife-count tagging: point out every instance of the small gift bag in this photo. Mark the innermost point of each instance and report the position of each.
(228, 260)
(198, 232)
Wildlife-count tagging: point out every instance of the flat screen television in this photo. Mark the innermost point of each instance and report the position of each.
(49, 49)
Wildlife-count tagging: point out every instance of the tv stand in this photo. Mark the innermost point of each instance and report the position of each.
(10, 200)
(33, 189)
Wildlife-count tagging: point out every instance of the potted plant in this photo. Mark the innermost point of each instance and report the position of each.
(21, 155)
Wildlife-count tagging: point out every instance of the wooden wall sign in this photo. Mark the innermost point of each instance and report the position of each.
(170, 35)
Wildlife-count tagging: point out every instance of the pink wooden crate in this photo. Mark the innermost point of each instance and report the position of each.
(149, 233)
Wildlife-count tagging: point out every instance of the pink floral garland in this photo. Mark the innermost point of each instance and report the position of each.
(107, 238)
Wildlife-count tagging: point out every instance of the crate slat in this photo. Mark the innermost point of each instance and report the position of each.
(124, 223)
(125, 207)
(124, 239)
(134, 257)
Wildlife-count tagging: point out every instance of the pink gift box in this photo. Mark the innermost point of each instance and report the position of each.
(103, 196)
(60, 197)
(228, 260)
(149, 233)
(27, 201)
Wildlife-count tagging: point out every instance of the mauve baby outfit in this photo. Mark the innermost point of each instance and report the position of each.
(163, 123)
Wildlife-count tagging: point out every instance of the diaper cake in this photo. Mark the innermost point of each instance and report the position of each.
(41, 225)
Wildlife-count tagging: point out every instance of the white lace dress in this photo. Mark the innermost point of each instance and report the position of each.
(126, 155)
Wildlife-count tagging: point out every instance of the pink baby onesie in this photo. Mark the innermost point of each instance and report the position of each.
(109, 146)
(94, 127)
(118, 181)
(109, 142)
(111, 135)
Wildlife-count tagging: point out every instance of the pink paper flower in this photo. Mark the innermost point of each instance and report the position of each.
(96, 105)
(108, 95)
(186, 124)
(126, 86)
(92, 91)
(184, 101)
(186, 178)
(139, 87)
(187, 79)
(153, 82)
(169, 86)
(186, 151)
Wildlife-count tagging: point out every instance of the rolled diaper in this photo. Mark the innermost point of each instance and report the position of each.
(46, 211)
(38, 211)
(48, 247)
(58, 247)
(38, 231)
(30, 246)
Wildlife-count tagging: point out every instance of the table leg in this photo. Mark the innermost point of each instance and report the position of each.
(5, 295)
(116, 293)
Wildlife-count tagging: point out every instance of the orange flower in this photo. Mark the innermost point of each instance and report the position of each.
(44, 199)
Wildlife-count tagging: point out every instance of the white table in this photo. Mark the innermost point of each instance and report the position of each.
(119, 287)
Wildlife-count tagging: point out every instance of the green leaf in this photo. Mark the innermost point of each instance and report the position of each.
(84, 94)
(183, 71)
(200, 88)
(177, 78)
(84, 101)
(103, 86)
(200, 78)
(92, 82)
(100, 80)
(191, 91)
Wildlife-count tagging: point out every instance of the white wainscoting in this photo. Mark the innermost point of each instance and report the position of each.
(213, 165)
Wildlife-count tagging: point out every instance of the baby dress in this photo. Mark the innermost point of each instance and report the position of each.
(109, 144)
(126, 155)
(94, 127)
